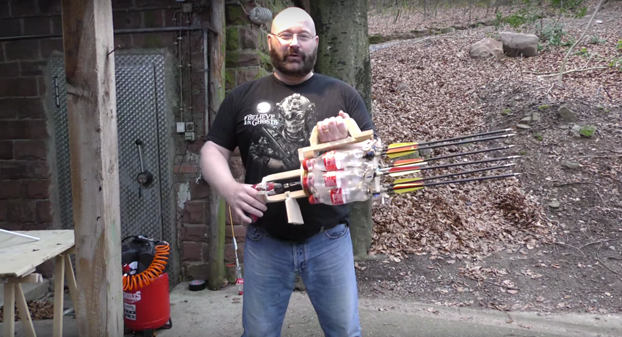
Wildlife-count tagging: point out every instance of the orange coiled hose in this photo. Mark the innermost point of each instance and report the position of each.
(155, 269)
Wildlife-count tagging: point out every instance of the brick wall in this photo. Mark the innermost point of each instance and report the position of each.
(26, 161)
(247, 59)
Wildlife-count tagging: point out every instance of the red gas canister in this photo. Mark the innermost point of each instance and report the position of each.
(148, 308)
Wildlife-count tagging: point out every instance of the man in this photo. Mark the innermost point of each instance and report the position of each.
(269, 119)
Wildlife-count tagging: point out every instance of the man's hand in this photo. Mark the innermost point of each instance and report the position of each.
(245, 200)
(333, 128)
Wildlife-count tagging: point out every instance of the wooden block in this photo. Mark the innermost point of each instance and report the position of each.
(32, 278)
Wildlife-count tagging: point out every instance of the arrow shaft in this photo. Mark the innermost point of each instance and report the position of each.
(410, 148)
(452, 174)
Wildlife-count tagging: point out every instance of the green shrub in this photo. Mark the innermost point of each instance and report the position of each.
(553, 33)
(596, 40)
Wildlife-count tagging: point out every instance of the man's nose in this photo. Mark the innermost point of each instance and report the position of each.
(294, 41)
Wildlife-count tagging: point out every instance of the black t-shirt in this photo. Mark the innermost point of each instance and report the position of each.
(269, 121)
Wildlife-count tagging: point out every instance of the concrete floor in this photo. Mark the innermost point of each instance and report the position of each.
(218, 314)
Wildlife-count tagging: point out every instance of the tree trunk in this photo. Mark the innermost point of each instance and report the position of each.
(343, 53)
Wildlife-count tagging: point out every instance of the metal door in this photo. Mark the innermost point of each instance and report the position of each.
(142, 114)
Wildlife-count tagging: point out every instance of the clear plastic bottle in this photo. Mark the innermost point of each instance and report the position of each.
(315, 180)
(340, 196)
(336, 160)
(239, 280)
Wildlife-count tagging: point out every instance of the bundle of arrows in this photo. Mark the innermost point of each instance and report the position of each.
(360, 167)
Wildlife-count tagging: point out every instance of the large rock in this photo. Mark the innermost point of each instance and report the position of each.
(515, 44)
(486, 48)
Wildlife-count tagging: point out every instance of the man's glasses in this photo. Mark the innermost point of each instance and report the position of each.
(289, 37)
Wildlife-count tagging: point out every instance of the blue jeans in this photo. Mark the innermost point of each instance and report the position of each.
(326, 265)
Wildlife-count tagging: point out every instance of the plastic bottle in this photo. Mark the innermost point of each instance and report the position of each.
(239, 280)
(315, 180)
(340, 196)
(336, 160)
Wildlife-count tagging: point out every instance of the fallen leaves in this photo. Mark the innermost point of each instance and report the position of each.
(433, 90)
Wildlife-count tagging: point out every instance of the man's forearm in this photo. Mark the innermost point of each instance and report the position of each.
(215, 168)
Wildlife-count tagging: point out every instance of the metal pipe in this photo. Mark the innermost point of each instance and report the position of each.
(206, 81)
(117, 10)
(116, 32)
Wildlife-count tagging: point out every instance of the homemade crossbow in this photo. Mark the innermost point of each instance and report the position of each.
(353, 169)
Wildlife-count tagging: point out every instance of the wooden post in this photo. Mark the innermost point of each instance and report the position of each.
(92, 116)
(216, 94)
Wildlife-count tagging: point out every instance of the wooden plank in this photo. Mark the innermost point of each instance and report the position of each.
(71, 282)
(9, 315)
(216, 89)
(92, 118)
(31, 278)
(59, 295)
(20, 256)
(24, 312)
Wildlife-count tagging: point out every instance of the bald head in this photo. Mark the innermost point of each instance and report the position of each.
(293, 18)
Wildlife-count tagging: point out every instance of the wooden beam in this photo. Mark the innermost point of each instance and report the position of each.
(216, 94)
(92, 116)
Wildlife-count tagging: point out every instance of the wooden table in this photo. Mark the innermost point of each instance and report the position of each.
(18, 259)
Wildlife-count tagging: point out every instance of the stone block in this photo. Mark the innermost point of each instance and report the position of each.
(230, 80)
(32, 68)
(30, 108)
(126, 20)
(237, 167)
(37, 25)
(44, 211)
(196, 271)
(22, 50)
(21, 211)
(51, 46)
(199, 191)
(249, 37)
(50, 7)
(191, 251)
(6, 150)
(196, 233)
(9, 69)
(30, 149)
(195, 212)
(19, 169)
(3, 206)
(233, 38)
(153, 18)
(36, 189)
(4, 9)
(30, 129)
(238, 230)
(152, 3)
(19, 87)
(21, 108)
(10, 27)
(235, 15)
(57, 24)
(247, 74)
(10, 189)
(237, 59)
(122, 4)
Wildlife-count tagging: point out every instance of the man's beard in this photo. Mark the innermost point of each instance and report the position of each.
(301, 69)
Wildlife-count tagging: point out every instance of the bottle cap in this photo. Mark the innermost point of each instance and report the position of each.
(306, 163)
(312, 200)
(305, 182)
